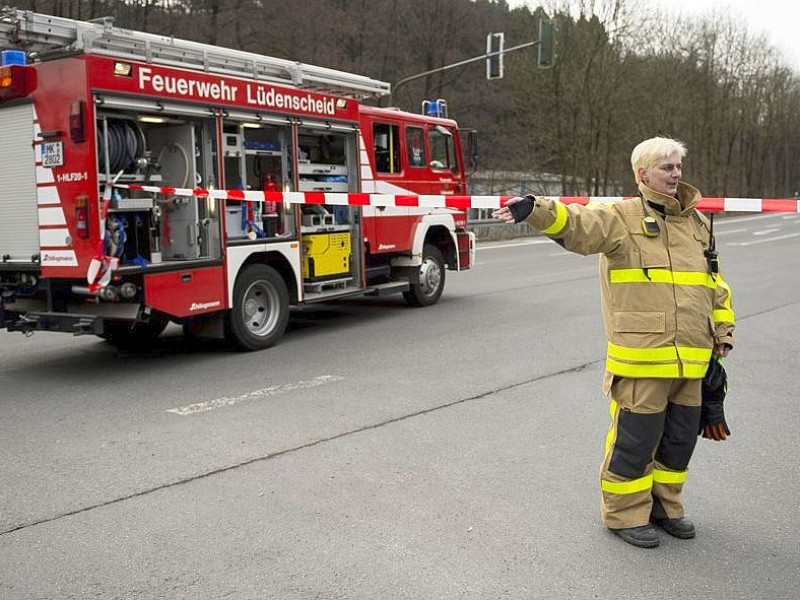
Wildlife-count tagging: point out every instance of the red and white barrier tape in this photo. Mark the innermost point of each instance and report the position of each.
(461, 202)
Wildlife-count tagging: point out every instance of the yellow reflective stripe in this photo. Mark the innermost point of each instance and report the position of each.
(641, 370)
(695, 370)
(627, 487)
(691, 353)
(561, 220)
(727, 314)
(695, 361)
(661, 276)
(660, 476)
(694, 278)
(723, 315)
(659, 354)
(657, 362)
(639, 276)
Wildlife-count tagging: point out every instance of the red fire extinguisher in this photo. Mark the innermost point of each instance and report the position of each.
(269, 186)
(271, 208)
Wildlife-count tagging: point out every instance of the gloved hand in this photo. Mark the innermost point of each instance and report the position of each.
(714, 388)
(716, 378)
(522, 208)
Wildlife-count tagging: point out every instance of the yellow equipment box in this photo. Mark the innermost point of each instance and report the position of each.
(326, 254)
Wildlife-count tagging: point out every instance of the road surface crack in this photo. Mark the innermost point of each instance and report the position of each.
(295, 449)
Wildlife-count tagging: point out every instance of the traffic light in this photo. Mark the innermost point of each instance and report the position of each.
(545, 44)
(494, 62)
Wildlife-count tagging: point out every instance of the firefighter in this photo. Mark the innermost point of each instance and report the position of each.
(666, 309)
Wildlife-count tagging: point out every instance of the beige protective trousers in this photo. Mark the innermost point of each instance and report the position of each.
(648, 448)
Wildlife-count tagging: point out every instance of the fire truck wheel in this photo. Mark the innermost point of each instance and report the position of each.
(260, 310)
(427, 283)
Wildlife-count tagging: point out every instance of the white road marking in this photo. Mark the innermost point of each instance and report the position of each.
(766, 231)
(191, 409)
(736, 220)
(511, 244)
(761, 241)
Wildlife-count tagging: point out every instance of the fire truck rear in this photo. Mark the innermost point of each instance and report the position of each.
(148, 179)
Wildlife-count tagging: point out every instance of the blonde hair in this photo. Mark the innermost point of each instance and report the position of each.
(649, 152)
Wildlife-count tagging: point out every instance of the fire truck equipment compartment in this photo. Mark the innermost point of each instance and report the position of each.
(326, 254)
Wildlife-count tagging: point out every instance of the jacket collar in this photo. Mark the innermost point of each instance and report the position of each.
(686, 198)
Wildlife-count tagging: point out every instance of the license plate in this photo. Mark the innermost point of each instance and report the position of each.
(52, 154)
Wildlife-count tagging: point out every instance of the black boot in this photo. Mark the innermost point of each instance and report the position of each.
(644, 536)
(680, 528)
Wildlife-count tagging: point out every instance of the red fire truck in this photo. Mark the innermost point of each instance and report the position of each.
(147, 179)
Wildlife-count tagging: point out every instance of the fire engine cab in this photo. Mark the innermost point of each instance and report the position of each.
(147, 179)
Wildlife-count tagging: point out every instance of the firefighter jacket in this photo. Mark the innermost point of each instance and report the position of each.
(663, 307)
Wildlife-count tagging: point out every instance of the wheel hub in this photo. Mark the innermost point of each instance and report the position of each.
(430, 277)
(250, 307)
(257, 309)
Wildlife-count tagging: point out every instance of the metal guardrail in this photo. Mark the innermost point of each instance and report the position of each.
(492, 229)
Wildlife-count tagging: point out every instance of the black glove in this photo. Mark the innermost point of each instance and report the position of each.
(522, 208)
(714, 388)
(716, 378)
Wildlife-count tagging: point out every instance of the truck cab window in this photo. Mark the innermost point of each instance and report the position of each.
(386, 147)
(442, 149)
(415, 146)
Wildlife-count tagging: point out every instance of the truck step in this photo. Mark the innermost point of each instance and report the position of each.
(387, 289)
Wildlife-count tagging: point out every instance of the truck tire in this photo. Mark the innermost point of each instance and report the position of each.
(427, 282)
(260, 311)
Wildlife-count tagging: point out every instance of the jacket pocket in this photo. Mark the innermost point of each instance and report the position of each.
(652, 251)
(639, 322)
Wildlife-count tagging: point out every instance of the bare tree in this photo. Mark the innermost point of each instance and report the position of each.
(623, 72)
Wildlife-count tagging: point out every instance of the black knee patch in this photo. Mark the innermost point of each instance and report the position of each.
(637, 437)
(680, 436)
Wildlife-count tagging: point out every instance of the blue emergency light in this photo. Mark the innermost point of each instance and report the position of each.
(435, 108)
(12, 57)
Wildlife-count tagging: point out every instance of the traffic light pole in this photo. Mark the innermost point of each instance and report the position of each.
(486, 56)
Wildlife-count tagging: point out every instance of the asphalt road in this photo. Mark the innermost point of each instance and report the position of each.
(383, 452)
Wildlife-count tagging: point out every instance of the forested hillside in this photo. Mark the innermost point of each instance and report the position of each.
(624, 72)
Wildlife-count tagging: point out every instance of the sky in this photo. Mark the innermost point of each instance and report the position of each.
(778, 19)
